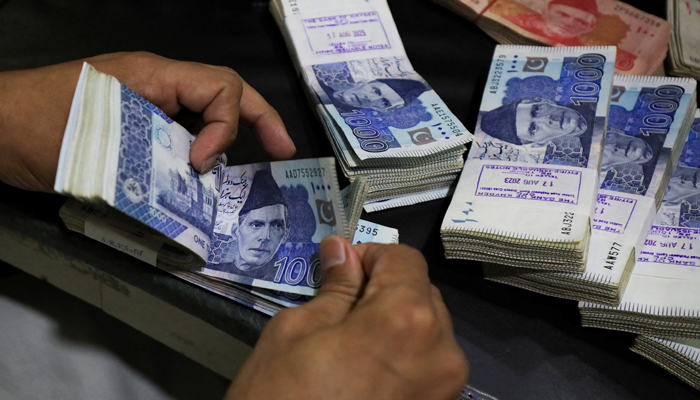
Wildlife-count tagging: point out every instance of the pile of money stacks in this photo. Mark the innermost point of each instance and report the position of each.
(528, 190)
(662, 297)
(635, 171)
(383, 120)
(641, 38)
(684, 49)
(681, 357)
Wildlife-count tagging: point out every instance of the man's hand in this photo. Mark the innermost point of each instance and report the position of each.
(34, 108)
(388, 337)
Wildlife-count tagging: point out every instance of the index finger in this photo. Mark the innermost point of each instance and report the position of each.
(263, 120)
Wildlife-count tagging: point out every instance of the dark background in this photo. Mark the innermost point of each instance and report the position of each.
(521, 345)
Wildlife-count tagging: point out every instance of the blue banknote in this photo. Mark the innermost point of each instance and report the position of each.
(544, 105)
(681, 204)
(155, 182)
(384, 108)
(645, 117)
(270, 221)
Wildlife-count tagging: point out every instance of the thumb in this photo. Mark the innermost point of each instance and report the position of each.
(343, 281)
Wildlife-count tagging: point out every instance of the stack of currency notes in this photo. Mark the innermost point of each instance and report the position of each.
(649, 121)
(684, 48)
(528, 191)
(681, 357)
(235, 230)
(641, 38)
(382, 118)
(662, 297)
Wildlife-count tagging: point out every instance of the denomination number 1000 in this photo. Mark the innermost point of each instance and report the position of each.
(293, 273)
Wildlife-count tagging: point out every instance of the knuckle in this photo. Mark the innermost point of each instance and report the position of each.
(140, 56)
(415, 319)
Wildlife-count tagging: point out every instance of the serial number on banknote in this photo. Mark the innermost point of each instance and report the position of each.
(567, 222)
(497, 74)
(636, 14)
(305, 173)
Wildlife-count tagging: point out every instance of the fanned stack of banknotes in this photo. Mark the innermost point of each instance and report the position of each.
(641, 38)
(684, 48)
(383, 119)
(248, 232)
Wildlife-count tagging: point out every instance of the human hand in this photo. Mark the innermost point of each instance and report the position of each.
(34, 108)
(388, 337)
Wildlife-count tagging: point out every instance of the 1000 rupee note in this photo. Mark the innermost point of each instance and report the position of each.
(531, 174)
(352, 58)
(648, 123)
(662, 297)
(138, 165)
(271, 220)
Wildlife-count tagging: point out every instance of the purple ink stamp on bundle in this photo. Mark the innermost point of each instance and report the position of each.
(530, 183)
(613, 213)
(346, 33)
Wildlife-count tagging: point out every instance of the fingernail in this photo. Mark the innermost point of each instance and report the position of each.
(333, 254)
(208, 164)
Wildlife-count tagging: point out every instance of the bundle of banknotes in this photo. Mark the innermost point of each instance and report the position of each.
(641, 38)
(527, 193)
(248, 232)
(681, 357)
(638, 159)
(382, 118)
(662, 297)
(684, 47)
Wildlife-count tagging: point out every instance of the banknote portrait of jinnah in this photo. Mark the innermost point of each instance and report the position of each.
(684, 183)
(263, 225)
(532, 121)
(621, 148)
(563, 20)
(385, 95)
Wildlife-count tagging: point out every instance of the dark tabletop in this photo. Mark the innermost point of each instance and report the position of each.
(521, 345)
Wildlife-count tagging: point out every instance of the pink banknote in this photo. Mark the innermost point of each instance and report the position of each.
(641, 38)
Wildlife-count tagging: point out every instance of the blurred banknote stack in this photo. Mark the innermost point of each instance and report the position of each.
(681, 357)
(247, 232)
(684, 48)
(383, 119)
(527, 194)
(649, 121)
(641, 38)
